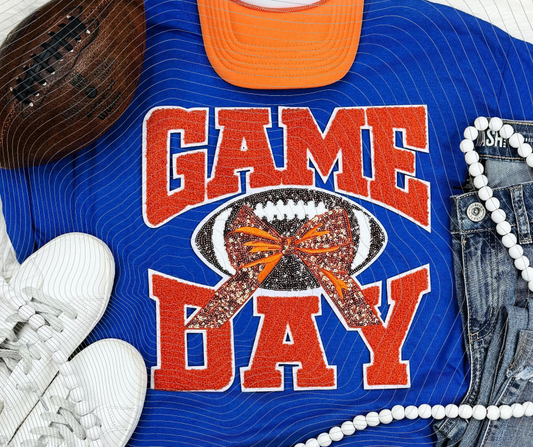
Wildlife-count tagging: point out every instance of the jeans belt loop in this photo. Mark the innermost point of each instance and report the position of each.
(521, 217)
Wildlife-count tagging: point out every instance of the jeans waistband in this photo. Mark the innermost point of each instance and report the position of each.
(490, 145)
(516, 201)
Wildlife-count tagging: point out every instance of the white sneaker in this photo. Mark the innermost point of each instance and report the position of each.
(62, 291)
(13, 12)
(113, 376)
(26, 369)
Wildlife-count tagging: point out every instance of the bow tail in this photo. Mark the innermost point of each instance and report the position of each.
(228, 299)
(348, 298)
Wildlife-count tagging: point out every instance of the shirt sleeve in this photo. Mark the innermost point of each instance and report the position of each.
(515, 17)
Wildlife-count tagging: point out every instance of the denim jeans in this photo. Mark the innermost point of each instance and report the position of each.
(495, 304)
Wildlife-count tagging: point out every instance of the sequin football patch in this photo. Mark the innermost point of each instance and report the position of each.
(286, 211)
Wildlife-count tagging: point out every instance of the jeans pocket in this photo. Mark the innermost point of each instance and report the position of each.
(517, 387)
(485, 268)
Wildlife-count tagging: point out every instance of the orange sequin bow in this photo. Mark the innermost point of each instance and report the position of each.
(324, 244)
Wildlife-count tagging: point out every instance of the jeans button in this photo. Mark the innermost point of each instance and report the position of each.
(476, 212)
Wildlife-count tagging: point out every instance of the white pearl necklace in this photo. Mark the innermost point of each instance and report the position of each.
(521, 262)
(424, 411)
(492, 204)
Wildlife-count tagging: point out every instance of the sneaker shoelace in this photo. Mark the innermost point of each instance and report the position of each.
(64, 425)
(47, 307)
(41, 312)
(13, 351)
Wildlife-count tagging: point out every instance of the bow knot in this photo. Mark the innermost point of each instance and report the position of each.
(288, 245)
(324, 244)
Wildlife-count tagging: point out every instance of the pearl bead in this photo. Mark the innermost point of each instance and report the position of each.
(45, 332)
(398, 412)
(498, 216)
(521, 263)
(452, 411)
(36, 321)
(480, 181)
(312, 442)
(524, 150)
(528, 408)
(26, 312)
(479, 412)
(336, 434)
(516, 140)
(530, 286)
(493, 412)
(424, 411)
(348, 428)
(476, 169)
(372, 419)
(518, 410)
(360, 422)
(505, 412)
(438, 412)
(471, 157)
(506, 131)
(385, 416)
(509, 240)
(485, 193)
(515, 251)
(527, 274)
(466, 146)
(88, 421)
(529, 160)
(481, 123)
(465, 411)
(492, 204)
(300, 444)
(411, 412)
(471, 133)
(324, 440)
(503, 228)
(495, 124)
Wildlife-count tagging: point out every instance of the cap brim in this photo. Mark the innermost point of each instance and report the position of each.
(265, 49)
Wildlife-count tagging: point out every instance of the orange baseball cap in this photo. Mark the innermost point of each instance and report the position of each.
(272, 44)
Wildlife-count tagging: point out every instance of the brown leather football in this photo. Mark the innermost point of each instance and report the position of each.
(67, 73)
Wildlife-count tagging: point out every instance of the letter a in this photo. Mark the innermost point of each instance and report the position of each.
(271, 349)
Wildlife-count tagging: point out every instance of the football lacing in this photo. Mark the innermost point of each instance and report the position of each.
(43, 61)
